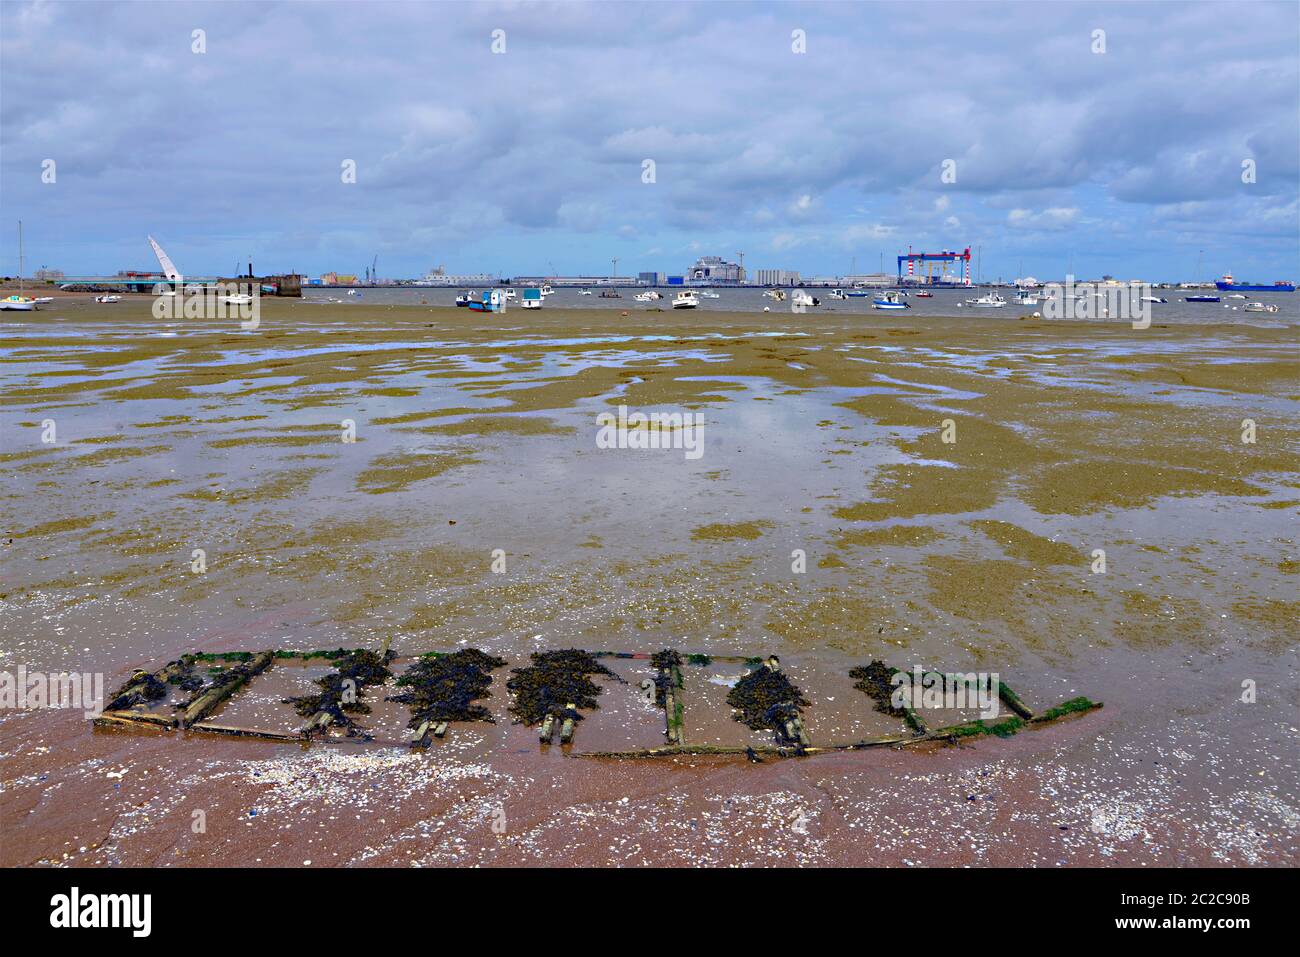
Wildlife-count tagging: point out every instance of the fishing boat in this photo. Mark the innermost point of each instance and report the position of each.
(990, 300)
(649, 295)
(1200, 299)
(546, 289)
(605, 294)
(1259, 307)
(890, 300)
(804, 299)
(1025, 298)
(686, 300)
(1227, 283)
(464, 299)
(838, 294)
(925, 295)
(532, 298)
(511, 295)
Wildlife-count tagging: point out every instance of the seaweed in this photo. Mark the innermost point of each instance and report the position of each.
(875, 681)
(341, 690)
(766, 698)
(1073, 706)
(667, 663)
(444, 688)
(141, 689)
(554, 681)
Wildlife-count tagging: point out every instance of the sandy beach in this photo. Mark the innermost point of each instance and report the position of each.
(950, 483)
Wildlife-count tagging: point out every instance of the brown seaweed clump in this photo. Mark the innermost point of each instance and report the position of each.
(875, 680)
(766, 699)
(341, 690)
(666, 663)
(555, 680)
(444, 687)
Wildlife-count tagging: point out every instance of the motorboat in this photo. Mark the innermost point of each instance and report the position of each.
(777, 294)
(604, 294)
(924, 295)
(1153, 299)
(464, 299)
(108, 299)
(890, 300)
(990, 300)
(648, 296)
(837, 294)
(1200, 299)
(1024, 298)
(686, 300)
(804, 299)
(584, 292)
(1259, 307)
(706, 294)
(511, 295)
(18, 303)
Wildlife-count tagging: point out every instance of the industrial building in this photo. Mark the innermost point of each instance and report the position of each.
(714, 269)
(777, 277)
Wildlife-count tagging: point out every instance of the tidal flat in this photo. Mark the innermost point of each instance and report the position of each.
(1081, 508)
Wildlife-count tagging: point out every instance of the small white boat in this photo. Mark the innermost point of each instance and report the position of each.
(42, 300)
(838, 294)
(18, 303)
(777, 294)
(705, 294)
(804, 299)
(648, 296)
(546, 289)
(108, 299)
(464, 299)
(585, 292)
(1259, 307)
(890, 300)
(1237, 295)
(511, 295)
(1154, 299)
(990, 301)
(1024, 298)
(686, 300)
(238, 299)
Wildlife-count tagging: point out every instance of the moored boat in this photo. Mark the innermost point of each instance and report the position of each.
(890, 300)
(686, 300)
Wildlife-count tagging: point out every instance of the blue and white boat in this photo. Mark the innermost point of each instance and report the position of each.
(890, 300)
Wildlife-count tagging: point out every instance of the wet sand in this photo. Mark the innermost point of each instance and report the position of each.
(824, 433)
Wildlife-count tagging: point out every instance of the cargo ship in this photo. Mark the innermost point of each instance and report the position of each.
(1228, 285)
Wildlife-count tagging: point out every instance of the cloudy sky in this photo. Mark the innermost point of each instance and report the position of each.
(531, 160)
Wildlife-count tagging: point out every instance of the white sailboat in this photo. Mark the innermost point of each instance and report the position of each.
(19, 303)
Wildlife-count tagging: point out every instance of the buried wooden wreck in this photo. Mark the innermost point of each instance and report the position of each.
(551, 692)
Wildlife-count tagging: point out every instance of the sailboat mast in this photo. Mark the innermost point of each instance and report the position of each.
(20, 257)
